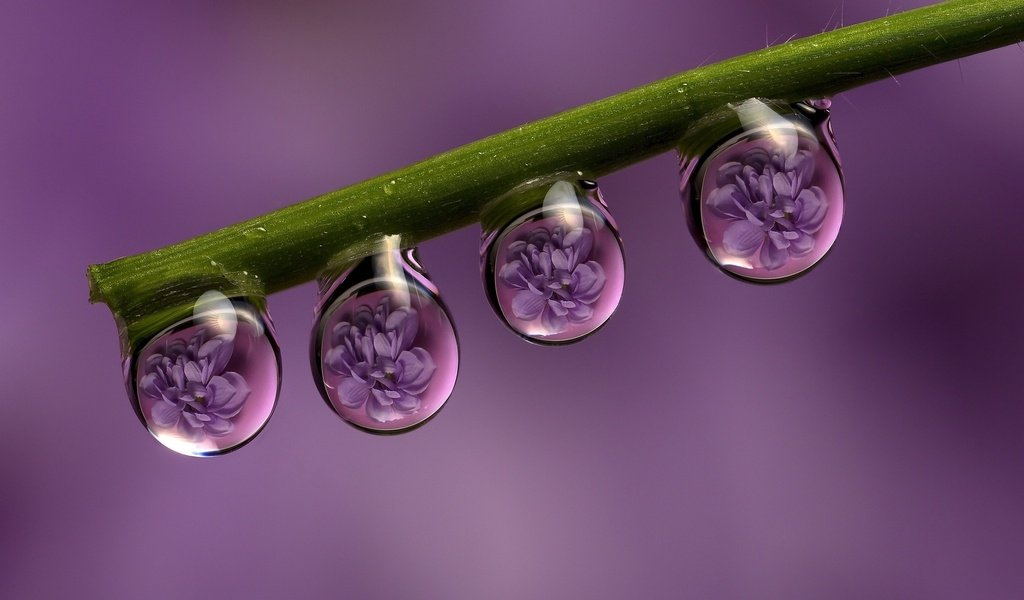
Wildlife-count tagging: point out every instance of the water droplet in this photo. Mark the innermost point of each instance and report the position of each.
(255, 233)
(384, 352)
(552, 262)
(763, 188)
(208, 383)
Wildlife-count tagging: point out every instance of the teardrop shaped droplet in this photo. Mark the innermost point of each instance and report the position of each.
(552, 262)
(763, 188)
(385, 354)
(208, 383)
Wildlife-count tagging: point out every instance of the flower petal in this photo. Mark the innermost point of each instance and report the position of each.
(742, 238)
(230, 393)
(778, 239)
(782, 185)
(756, 213)
(514, 250)
(581, 313)
(218, 393)
(759, 158)
(363, 317)
(539, 237)
(166, 414)
(218, 426)
(557, 307)
(728, 202)
(384, 345)
(405, 323)
(810, 211)
(543, 263)
(352, 393)
(152, 385)
(773, 257)
(581, 240)
(178, 376)
(192, 420)
(188, 432)
(527, 305)
(406, 403)
(588, 282)
(382, 397)
(764, 188)
(801, 168)
(417, 368)
(339, 361)
(340, 333)
(554, 323)
(515, 274)
(366, 348)
(380, 412)
(727, 172)
(801, 245)
(218, 352)
(560, 260)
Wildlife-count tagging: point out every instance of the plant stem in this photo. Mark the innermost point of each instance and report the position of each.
(446, 192)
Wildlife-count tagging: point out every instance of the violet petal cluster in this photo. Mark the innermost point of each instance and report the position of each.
(556, 280)
(775, 209)
(194, 392)
(381, 367)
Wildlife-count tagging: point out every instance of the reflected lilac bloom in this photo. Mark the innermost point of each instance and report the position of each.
(764, 201)
(553, 272)
(775, 210)
(556, 280)
(194, 394)
(381, 368)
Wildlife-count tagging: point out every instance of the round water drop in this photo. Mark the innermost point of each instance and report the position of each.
(384, 353)
(208, 383)
(552, 261)
(763, 188)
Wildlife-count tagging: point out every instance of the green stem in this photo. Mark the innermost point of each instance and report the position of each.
(290, 246)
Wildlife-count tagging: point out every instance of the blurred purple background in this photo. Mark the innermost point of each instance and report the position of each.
(854, 434)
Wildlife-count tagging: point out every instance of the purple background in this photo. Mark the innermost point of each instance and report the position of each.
(853, 434)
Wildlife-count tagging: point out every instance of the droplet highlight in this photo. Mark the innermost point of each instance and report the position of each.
(763, 188)
(385, 354)
(552, 261)
(208, 383)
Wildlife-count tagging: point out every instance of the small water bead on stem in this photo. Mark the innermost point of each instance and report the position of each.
(208, 383)
(552, 261)
(384, 351)
(763, 188)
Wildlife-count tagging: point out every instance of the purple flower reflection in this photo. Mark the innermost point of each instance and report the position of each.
(556, 280)
(774, 208)
(381, 368)
(193, 392)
